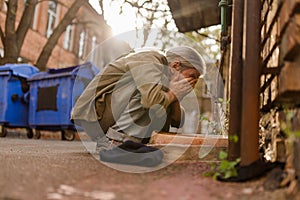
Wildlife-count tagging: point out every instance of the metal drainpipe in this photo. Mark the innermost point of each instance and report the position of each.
(224, 40)
(236, 62)
(223, 4)
(251, 76)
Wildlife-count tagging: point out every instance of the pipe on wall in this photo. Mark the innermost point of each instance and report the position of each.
(251, 75)
(236, 77)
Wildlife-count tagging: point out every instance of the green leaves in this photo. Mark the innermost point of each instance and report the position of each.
(223, 155)
(226, 169)
(233, 138)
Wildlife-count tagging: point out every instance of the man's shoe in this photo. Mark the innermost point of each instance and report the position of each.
(133, 153)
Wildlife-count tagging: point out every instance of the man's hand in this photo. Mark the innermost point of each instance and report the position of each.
(180, 87)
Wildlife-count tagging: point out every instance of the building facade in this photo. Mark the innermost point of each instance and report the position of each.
(86, 31)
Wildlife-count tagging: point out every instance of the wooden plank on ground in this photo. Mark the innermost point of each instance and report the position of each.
(188, 139)
(188, 147)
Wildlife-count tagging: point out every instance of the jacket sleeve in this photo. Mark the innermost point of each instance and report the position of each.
(150, 75)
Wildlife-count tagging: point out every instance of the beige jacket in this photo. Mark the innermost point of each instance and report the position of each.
(146, 73)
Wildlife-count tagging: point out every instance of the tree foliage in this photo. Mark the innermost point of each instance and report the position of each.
(150, 14)
(209, 39)
(156, 14)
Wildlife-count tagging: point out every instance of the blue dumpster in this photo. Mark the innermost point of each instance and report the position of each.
(13, 105)
(51, 98)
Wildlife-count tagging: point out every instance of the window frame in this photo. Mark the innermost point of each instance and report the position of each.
(81, 43)
(51, 19)
(68, 37)
(93, 46)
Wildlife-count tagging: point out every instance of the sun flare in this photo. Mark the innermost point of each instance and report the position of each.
(119, 23)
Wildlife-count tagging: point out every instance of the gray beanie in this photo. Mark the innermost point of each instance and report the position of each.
(187, 56)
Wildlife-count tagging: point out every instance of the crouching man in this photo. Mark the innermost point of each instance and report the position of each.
(133, 96)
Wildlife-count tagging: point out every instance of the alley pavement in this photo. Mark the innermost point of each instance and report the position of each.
(55, 169)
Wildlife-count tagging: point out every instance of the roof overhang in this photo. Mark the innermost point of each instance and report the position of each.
(190, 15)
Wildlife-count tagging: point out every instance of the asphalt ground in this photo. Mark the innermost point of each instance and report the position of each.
(55, 169)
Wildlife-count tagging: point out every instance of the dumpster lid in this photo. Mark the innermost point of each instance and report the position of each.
(86, 69)
(22, 70)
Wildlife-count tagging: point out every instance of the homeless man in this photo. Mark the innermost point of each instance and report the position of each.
(137, 94)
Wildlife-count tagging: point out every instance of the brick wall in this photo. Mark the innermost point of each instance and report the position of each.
(280, 52)
(280, 85)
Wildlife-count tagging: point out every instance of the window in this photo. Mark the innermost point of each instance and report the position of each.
(81, 44)
(36, 17)
(1, 52)
(52, 15)
(25, 1)
(3, 6)
(67, 39)
(94, 40)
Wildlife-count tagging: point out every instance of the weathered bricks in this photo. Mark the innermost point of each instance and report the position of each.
(289, 83)
(290, 44)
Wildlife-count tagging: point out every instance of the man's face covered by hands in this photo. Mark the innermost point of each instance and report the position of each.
(191, 75)
(183, 79)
